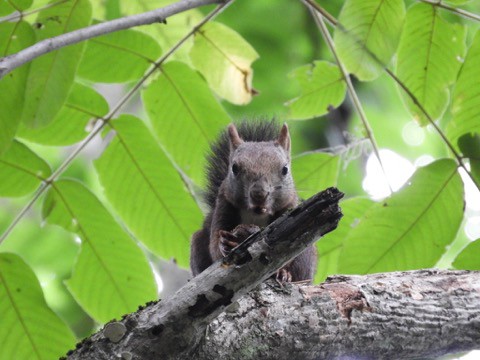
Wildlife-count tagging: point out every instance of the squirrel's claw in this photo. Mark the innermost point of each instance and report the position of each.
(227, 242)
(283, 276)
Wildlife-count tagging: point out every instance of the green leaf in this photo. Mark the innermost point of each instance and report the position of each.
(469, 259)
(314, 171)
(412, 228)
(429, 56)
(224, 58)
(9, 6)
(367, 35)
(13, 38)
(21, 171)
(51, 75)
(185, 115)
(466, 96)
(146, 190)
(111, 276)
(329, 247)
(133, 52)
(469, 145)
(322, 88)
(30, 329)
(71, 124)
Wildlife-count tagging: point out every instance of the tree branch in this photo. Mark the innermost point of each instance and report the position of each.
(170, 329)
(11, 62)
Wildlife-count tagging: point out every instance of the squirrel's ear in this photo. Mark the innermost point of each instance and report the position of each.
(284, 138)
(235, 139)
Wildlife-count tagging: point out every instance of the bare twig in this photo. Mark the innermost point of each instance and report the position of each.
(11, 62)
(460, 12)
(21, 15)
(103, 121)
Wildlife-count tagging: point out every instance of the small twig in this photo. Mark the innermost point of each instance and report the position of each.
(103, 121)
(21, 15)
(460, 12)
(11, 62)
(350, 88)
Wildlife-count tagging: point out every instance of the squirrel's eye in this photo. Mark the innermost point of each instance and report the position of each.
(235, 169)
(285, 170)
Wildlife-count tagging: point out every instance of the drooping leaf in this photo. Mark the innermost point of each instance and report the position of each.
(146, 190)
(9, 6)
(367, 35)
(51, 75)
(13, 38)
(224, 58)
(118, 57)
(329, 247)
(111, 276)
(71, 123)
(322, 87)
(30, 329)
(429, 57)
(466, 96)
(314, 171)
(469, 258)
(469, 145)
(411, 229)
(185, 115)
(21, 171)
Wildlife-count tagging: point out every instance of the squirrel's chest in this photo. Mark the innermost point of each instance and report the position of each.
(247, 217)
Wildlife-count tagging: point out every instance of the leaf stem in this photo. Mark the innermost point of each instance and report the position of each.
(460, 12)
(103, 121)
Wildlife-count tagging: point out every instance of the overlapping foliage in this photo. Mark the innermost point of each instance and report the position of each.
(142, 192)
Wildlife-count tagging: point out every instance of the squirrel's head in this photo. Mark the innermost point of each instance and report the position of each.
(259, 178)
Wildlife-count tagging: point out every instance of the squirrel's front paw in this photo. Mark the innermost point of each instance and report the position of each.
(283, 276)
(229, 240)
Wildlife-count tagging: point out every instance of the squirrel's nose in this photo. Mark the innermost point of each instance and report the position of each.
(258, 195)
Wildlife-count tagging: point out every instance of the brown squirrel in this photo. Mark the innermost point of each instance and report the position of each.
(249, 185)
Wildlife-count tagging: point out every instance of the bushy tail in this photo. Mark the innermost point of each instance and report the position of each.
(218, 158)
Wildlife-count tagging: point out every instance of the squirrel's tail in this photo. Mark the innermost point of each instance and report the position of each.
(218, 158)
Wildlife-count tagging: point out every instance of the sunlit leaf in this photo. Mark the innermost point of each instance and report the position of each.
(466, 96)
(30, 329)
(314, 171)
(111, 276)
(132, 51)
(185, 115)
(71, 124)
(51, 75)
(9, 6)
(469, 258)
(469, 145)
(224, 58)
(21, 171)
(329, 247)
(13, 38)
(147, 191)
(412, 228)
(367, 35)
(322, 87)
(429, 57)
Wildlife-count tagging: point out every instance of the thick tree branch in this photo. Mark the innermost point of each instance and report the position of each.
(172, 328)
(11, 62)
(420, 314)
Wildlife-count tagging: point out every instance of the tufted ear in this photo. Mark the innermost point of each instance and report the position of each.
(235, 139)
(284, 139)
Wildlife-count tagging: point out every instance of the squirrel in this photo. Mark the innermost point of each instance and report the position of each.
(249, 185)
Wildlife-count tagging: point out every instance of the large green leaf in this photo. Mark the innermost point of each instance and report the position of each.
(21, 171)
(111, 276)
(224, 58)
(329, 247)
(71, 123)
(412, 228)
(469, 145)
(13, 38)
(30, 330)
(9, 6)
(132, 51)
(51, 75)
(314, 171)
(322, 87)
(466, 95)
(469, 258)
(429, 57)
(185, 115)
(146, 190)
(368, 34)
